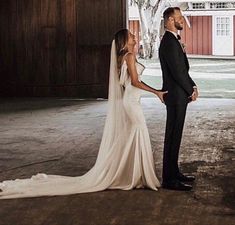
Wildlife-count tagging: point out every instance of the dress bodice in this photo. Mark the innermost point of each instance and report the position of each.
(125, 78)
(140, 68)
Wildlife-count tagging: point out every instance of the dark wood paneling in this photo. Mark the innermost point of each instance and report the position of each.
(57, 47)
(98, 21)
(71, 34)
(198, 38)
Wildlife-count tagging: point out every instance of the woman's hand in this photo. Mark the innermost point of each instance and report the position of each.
(161, 94)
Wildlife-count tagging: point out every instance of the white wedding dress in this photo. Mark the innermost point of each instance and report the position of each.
(125, 158)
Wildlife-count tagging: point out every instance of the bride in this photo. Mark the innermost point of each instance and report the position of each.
(125, 159)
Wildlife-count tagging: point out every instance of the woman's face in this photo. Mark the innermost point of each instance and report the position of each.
(131, 39)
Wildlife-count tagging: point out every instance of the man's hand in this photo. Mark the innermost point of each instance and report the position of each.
(196, 91)
(195, 94)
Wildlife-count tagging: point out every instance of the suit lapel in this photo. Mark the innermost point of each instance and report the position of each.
(186, 60)
(174, 37)
(185, 56)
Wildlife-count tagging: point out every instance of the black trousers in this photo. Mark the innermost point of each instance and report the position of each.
(173, 135)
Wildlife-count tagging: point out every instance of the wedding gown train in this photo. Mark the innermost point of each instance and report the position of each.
(125, 158)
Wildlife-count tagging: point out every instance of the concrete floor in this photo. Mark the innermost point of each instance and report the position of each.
(62, 136)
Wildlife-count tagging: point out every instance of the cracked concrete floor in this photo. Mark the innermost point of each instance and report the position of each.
(62, 136)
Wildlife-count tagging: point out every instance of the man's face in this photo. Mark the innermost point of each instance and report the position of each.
(178, 20)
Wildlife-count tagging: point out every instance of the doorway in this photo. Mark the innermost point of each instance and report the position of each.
(223, 35)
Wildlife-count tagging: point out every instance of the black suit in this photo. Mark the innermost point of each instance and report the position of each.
(178, 83)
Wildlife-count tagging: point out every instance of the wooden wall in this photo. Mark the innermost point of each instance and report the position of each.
(57, 47)
(198, 38)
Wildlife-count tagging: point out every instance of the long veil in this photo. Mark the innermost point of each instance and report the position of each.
(116, 120)
(105, 171)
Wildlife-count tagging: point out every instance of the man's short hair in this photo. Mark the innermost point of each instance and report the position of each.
(169, 12)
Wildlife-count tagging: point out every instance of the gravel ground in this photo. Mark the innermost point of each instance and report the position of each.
(62, 136)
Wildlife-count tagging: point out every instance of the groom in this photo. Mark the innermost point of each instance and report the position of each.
(181, 90)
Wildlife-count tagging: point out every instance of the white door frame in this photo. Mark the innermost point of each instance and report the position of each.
(222, 35)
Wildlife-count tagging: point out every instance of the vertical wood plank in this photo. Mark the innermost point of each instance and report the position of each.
(200, 35)
(57, 47)
(198, 38)
(71, 33)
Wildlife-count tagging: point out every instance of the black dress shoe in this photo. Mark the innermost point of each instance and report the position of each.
(183, 178)
(176, 185)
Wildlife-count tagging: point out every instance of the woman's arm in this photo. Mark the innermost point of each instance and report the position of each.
(131, 66)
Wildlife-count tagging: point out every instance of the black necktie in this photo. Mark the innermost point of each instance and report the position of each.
(178, 37)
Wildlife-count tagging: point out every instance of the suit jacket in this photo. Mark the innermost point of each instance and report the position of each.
(175, 67)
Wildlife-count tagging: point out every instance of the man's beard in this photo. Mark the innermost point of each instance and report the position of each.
(177, 26)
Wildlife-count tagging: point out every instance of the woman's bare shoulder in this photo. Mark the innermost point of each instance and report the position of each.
(130, 57)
